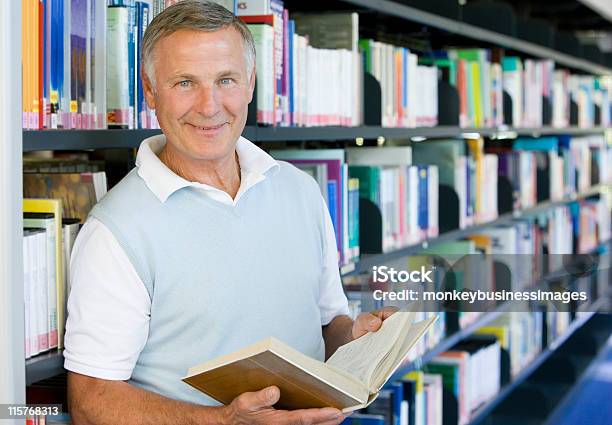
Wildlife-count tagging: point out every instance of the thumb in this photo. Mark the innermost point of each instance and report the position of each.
(365, 322)
(257, 400)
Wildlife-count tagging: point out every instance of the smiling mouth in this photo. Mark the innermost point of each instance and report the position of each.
(208, 128)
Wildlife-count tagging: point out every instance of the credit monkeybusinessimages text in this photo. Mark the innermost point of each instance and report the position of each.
(479, 295)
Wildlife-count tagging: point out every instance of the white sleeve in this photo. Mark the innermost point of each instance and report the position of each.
(332, 301)
(108, 307)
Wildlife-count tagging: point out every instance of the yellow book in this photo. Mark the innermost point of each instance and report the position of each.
(416, 376)
(477, 95)
(482, 242)
(350, 379)
(53, 206)
(476, 147)
(500, 332)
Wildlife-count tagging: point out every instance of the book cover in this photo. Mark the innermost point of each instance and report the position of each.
(350, 379)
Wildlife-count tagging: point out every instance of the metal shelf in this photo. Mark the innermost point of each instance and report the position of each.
(44, 366)
(37, 140)
(481, 413)
(471, 31)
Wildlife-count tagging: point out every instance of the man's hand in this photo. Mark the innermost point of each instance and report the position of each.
(370, 322)
(256, 408)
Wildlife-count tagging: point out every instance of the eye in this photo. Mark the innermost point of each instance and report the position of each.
(226, 81)
(184, 83)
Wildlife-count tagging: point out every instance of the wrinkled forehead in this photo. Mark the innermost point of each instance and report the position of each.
(205, 46)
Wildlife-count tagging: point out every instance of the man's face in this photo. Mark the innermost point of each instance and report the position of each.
(201, 92)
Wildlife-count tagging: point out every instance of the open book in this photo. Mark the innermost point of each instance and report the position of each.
(349, 380)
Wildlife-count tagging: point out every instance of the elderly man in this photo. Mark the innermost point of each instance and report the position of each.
(208, 245)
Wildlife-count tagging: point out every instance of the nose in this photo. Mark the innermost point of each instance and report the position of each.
(207, 103)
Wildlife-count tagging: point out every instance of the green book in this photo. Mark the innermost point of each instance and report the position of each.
(365, 46)
(369, 181)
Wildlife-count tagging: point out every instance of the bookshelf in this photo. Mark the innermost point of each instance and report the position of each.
(459, 27)
(36, 140)
(50, 364)
(367, 261)
(487, 317)
(12, 377)
(481, 414)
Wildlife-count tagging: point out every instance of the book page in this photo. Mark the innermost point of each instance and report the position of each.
(410, 335)
(361, 357)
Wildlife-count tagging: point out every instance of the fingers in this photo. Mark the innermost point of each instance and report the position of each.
(371, 322)
(327, 416)
(365, 322)
(333, 422)
(386, 312)
(256, 400)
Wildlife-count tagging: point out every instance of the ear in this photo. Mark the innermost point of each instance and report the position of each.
(147, 88)
(252, 83)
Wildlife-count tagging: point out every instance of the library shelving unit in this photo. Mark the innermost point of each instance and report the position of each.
(12, 370)
(37, 140)
(15, 142)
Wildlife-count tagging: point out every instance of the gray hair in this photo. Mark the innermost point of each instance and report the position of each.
(197, 15)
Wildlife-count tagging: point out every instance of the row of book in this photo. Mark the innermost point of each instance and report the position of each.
(454, 385)
(539, 94)
(56, 203)
(81, 70)
(404, 182)
(46, 243)
(509, 257)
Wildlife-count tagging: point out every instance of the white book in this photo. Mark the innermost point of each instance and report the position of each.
(117, 73)
(432, 199)
(27, 276)
(389, 51)
(263, 36)
(33, 266)
(70, 230)
(99, 98)
(413, 205)
(413, 83)
(40, 291)
(41, 221)
(434, 403)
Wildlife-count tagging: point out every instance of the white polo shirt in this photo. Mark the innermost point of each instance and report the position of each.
(106, 290)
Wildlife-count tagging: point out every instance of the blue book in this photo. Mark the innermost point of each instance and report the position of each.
(405, 77)
(383, 406)
(423, 201)
(364, 419)
(469, 170)
(142, 18)
(398, 397)
(332, 187)
(539, 144)
(132, 71)
(291, 30)
(55, 69)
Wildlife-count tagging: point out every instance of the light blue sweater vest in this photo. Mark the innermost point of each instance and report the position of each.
(221, 277)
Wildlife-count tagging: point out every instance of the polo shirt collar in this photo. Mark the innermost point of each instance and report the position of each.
(255, 164)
